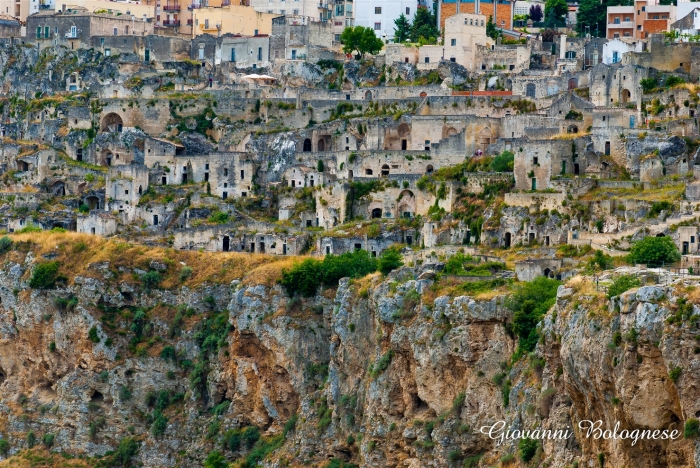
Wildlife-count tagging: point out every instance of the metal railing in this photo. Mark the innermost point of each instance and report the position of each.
(171, 23)
(170, 7)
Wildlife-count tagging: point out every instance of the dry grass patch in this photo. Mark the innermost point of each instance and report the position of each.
(42, 458)
(77, 251)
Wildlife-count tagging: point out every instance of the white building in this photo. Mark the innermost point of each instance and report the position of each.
(463, 33)
(318, 9)
(523, 7)
(614, 49)
(688, 25)
(380, 16)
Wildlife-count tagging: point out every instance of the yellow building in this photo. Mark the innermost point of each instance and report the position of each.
(234, 19)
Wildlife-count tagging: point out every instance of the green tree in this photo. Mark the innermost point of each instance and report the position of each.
(503, 162)
(402, 29)
(530, 302)
(527, 448)
(554, 12)
(654, 251)
(389, 260)
(424, 26)
(491, 30)
(361, 40)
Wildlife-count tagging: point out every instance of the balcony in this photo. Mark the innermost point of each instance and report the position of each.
(194, 6)
(171, 7)
(72, 35)
(225, 3)
(189, 22)
(323, 6)
(45, 7)
(621, 25)
(171, 23)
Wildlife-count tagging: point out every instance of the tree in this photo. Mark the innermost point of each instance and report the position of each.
(424, 26)
(389, 260)
(361, 40)
(503, 162)
(592, 13)
(491, 30)
(402, 31)
(654, 251)
(536, 13)
(555, 10)
(215, 460)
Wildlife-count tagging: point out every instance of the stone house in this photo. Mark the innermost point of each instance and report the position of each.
(229, 239)
(616, 85)
(148, 48)
(688, 241)
(293, 37)
(464, 32)
(530, 269)
(375, 246)
(124, 186)
(238, 50)
(75, 27)
(9, 26)
(100, 224)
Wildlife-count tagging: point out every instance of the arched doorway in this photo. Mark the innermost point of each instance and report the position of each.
(572, 129)
(385, 170)
(307, 145)
(547, 272)
(112, 122)
(429, 169)
(507, 240)
(573, 83)
(448, 132)
(376, 213)
(93, 202)
(368, 96)
(625, 96)
(106, 158)
(321, 145)
(484, 138)
(407, 204)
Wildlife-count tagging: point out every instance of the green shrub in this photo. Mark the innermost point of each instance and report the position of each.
(124, 393)
(675, 373)
(658, 207)
(47, 440)
(4, 447)
(291, 424)
(168, 352)
(5, 244)
(530, 302)
(215, 460)
(218, 217)
(527, 448)
(389, 260)
(127, 449)
(31, 439)
(185, 273)
(93, 335)
(45, 275)
(621, 284)
(262, 449)
(151, 280)
(654, 251)
(304, 278)
(691, 430)
(503, 162)
(160, 423)
(459, 402)
(375, 370)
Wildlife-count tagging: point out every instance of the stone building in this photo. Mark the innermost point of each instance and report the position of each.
(148, 48)
(241, 51)
(124, 186)
(9, 26)
(500, 10)
(98, 223)
(463, 34)
(74, 28)
(294, 37)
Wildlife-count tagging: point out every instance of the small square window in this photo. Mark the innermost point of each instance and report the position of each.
(377, 10)
(453, 42)
(377, 26)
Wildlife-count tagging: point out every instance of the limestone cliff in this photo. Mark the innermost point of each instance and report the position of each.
(180, 352)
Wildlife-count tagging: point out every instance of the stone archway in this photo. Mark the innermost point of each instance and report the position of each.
(112, 122)
(385, 170)
(307, 145)
(572, 129)
(625, 96)
(484, 138)
(407, 204)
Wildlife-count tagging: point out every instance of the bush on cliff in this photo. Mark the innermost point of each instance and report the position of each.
(654, 251)
(45, 275)
(304, 278)
(530, 302)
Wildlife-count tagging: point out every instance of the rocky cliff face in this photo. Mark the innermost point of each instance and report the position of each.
(164, 348)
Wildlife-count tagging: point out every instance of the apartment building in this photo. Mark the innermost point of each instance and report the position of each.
(638, 21)
(500, 10)
(380, 16)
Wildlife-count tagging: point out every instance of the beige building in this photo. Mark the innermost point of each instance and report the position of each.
(233, 19)
(463, 33)
(138, 10)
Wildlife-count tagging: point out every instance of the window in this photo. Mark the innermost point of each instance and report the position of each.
(427, 60)
(377, 26)
(114, 32)
(378, 10)
(639, 28)
(55, 31)
(453, 42)
(38, 32)
(47, 32)
(206, 24)
(408, 11)
(616, 20)
(242, 174)
(259, 53)
(108, 52)
(255, 33)
(644, 8)
(616, 36)
(627, 19)
(73, 31)
(225, 172)
(233, 55)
